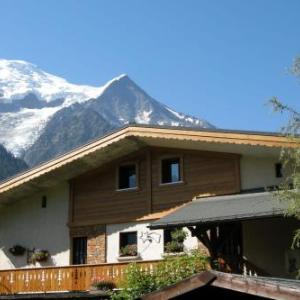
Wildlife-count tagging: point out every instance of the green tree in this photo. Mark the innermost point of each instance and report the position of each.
(291, 156)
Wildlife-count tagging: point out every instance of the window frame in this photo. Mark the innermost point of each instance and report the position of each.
(130, 163)
(278, 170)
(127, 232)
(181, 172)
(167, 231)
(72, 256)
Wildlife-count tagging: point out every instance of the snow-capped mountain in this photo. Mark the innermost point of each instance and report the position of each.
(18, 78)
(42, 115)
(29, 97)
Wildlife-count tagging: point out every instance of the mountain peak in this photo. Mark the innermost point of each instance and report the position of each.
(114, 80)
(31, 98)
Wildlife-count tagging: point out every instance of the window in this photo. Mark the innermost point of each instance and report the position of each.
(79, 250)
(170, 170)
(127, 177)
(278, 170)
(44, 202)
(174, 240)
(128, 243)
(167, 237)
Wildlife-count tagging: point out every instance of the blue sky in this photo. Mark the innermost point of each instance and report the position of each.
(220, 60)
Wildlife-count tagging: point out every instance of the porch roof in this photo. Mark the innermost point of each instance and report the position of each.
(222, 209)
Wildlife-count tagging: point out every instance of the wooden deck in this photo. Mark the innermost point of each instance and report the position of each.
(59, 279)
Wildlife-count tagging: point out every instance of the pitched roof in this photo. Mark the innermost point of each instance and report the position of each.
(269, 288)
(128, 139)
(224, 208)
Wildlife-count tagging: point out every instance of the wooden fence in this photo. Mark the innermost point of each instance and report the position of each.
(68, 278)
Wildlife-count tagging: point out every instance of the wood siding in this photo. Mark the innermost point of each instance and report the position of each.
(95, 199)
(204, 173)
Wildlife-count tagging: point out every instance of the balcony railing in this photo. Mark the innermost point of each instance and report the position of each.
(60, 279)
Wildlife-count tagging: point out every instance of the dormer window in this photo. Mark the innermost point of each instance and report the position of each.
(127, 177)
(171, 170)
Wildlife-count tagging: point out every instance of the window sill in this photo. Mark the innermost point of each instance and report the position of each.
(129, 258)
(172, 183)
(128, 189)
(172, 254)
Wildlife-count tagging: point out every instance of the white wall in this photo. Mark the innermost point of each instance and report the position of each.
(146, 249)
(258, 172)
(28, 224)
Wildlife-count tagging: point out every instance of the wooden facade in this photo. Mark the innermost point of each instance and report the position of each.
(95, 198)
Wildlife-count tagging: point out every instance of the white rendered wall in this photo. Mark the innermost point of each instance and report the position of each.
(258, 172)
(146, 249)
(28, 224)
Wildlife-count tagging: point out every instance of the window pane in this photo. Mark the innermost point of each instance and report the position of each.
(171, 170)
(167, 237)
(128, 238)
(79, 250)
(175, 172)
(278, 170)
(127, 177)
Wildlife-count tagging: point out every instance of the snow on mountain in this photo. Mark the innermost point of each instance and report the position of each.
(19, 130)
(17, 78)
(121, 103)
(20, 80)
(42, 115)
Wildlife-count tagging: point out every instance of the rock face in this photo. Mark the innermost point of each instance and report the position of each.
(9, 165)
(42, 115)
(67, 129)
(121, 103)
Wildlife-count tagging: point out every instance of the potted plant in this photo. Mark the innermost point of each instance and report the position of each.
(39, 255)
(128, 253)
(129, 250)
(103, 285)
(176, 245)
(17, 250)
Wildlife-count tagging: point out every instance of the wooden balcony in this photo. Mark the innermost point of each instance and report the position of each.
(61, 279)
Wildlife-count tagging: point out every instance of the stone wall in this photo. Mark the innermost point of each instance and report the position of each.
(96, 242)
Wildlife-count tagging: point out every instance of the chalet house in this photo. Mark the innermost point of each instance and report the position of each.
(117, 199)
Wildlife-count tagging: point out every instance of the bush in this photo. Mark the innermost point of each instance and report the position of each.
(167, 272)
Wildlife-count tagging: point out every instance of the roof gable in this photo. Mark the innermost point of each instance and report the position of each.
(124, 141)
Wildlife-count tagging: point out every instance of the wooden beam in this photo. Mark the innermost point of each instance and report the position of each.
(149, 179)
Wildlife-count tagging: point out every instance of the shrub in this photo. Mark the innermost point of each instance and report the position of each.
(167, 272)
(174, 269)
